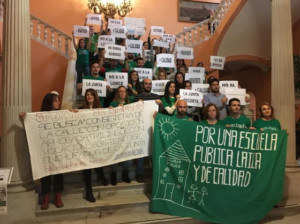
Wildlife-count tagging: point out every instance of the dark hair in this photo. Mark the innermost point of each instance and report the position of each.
(206, 108)
(233, 99)
(145, 43)
(95, 62)
(138, 85)
(78, 46)
(96, 103)
(185, 82)
(167, 93)
(162, 71)
(182, 63)
(178, 85)
(47, 104)
(266, 104)
(116, 98)
(139, 59)
(200, 63)
(211, 80)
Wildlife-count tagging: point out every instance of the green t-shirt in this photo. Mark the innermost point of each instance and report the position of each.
(272, 125)
(116, 104)
(118, 68)
(94, 78)
(240, 122)
(205, 122)
(82, 57)
(131, 65)
(166, 104)
(185, 118)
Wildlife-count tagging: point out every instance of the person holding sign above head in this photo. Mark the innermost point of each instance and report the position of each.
(216, 97)
(235, 118)
(92, 101)
(91, 43)
(120, 99)
(134, 85)
(266, 120)
(169, 100)
(211, 115)
(82, 62)
(181, 109)
(50, 102)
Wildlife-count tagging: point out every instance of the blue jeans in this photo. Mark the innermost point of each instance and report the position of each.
(82, 71)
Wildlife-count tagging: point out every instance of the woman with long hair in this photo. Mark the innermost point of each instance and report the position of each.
(91, 102)
(134, 85)
(179, 81)
(121, 99)
(211, 115)
(169, 100)
(266, 119)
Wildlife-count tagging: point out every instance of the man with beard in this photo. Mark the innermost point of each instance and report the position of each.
(216, 97)
(181, 108)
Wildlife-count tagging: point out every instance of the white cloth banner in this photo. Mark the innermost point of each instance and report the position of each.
(193, 98)
(144, 73)
(134, 46)
(113, 23)
(185, 53)
(63, 141)
(119, 32)
(195, 77)
(169, 37)
(217, 62)
(94, 19)
(105, 39)
(99, 86)
(158, 87)
(114, 51)
(235, 93)
(165, 61)
(161, 43)
(116, 79)
(200, 70)
(203, 88)
(81, 31)
(157, 30)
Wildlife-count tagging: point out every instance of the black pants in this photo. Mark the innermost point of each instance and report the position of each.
(58, 185)
(87, 175)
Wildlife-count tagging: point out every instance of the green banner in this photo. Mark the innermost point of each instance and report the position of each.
(216, 174)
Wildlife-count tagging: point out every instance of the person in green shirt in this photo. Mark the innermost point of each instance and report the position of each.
(169, 100)
(181, 108)
(235, 118)
(134, 85)
(266, 120)
(120, 99)
(211, 115)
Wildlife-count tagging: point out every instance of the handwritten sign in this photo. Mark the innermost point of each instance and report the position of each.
(229, 84)
(62, 141)
(147, 54)
(94, 19)
(119, 32)
(195, 77)
(157, 30)
(81, 31)
(165, 61)
(99, 86)
(135, 26)
(203, 88)
(217, 62)
(113, 23)
(134, 46)
(169, 38)
(158, 87)
(199, 70)
(161, 43)
(185, 53)
(235, 93)
(114, 51)
(116, 79)
(105, 39)
(144, 73)
(193, 98)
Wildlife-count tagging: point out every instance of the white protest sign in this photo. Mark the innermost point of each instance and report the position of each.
(140, 31)
(134, 46)
(147, 54)
(169, 37)
(113, 23)
(161, 43)
(165, 61)
(229, 84)
(116, 79)
(185, 53)
(235, 93)
(114, 51)
(63, 141)
(195, 77)
(217, 62)
(158, 87)
(144, 73)
(81, 31)
(94, 19)
(99, 86)
(203, 88)
(135, 26)
(119, 32)
(193, 98)
(199, 70)
(157, 30)
(105, 39)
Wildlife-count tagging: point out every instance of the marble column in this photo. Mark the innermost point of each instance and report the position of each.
(283, 96)
(16, 92)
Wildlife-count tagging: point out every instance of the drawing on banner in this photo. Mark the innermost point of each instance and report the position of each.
(167, 127)
(176, 157)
